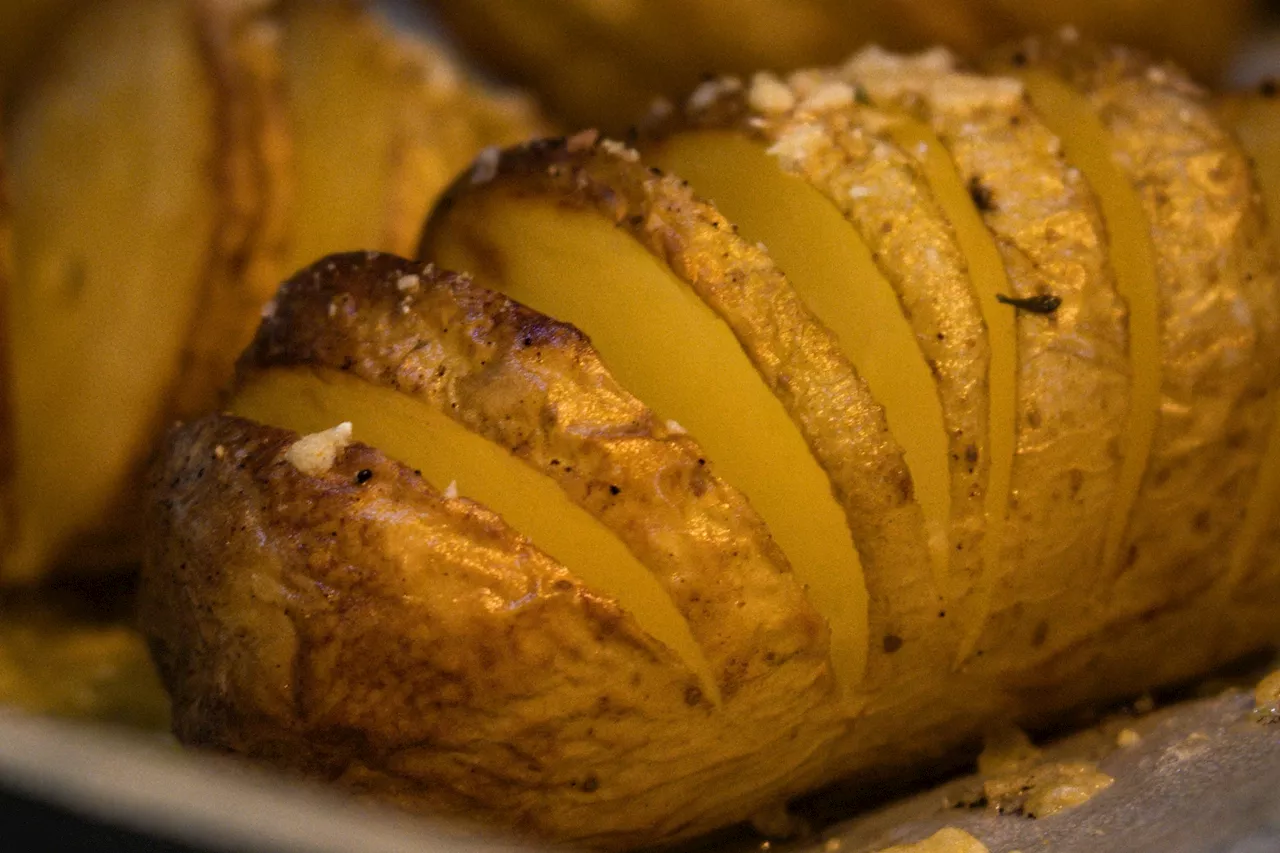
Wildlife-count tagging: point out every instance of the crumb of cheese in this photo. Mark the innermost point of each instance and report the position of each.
(945, 840)
(315, 454)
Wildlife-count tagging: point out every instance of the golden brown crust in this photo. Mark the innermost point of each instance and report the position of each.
(1072, 389)
(1219, 308)
(536, 387)
(798, 358)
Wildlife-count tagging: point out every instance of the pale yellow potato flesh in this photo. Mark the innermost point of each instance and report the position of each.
(447, 453)
(832, 269)
(1086, 145)
(672, 351)
(112, 227)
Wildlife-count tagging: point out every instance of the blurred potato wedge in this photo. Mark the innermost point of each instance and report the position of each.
(168, 163)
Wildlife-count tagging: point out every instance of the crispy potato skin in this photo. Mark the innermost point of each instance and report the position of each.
(298, 633)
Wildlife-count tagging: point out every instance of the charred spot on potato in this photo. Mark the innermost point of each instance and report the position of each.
(1040, 634)
(363, 476)
(891, 643)
(982, 196)
(1044, 303)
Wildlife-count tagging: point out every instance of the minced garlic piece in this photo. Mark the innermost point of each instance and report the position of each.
(797, 145)
(945, 840)
(620, 150)
(769, 94)
(315, 454)
(485, 168)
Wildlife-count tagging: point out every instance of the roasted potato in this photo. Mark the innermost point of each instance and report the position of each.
(838, 418)
(167, 163)
(600, 64)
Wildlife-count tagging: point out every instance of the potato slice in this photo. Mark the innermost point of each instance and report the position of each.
(1215, 304)
(382, 123)
(1071, 384)
(426, 358)
(140, 250)
(310, 401)
(537, 389)
(660, 270)
(848, 217)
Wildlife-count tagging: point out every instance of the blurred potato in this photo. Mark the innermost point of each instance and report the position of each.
(600, 62)
(167, 164)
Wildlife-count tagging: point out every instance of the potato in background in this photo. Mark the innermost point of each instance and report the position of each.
(599, 63)
(168, 164)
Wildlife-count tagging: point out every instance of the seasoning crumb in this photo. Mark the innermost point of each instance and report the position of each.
(451, 492)
(485, 168)
(1127, 738)
(408, 284)
(949, 839)
(219, 452)
(1144, 704)
(675, 428)
(316, 453)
